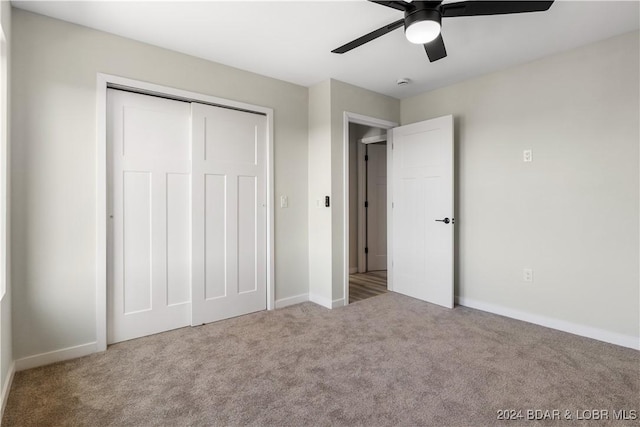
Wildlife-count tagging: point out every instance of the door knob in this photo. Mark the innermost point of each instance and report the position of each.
(446, 220)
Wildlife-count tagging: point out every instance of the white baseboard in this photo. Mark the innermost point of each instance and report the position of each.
(326, 302)
(6, 387)
(549, 322)
(297, 299)
(337, 303)
(353, 270)
(55, 356)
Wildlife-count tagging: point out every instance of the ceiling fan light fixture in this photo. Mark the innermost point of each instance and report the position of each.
(422, 32)
(422, 26)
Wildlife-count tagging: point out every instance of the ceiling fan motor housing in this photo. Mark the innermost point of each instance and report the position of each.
(421, 15)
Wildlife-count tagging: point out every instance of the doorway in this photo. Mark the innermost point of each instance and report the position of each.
(420, 194)
(367, 211)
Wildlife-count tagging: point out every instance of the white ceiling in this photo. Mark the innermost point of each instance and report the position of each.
(292, 40)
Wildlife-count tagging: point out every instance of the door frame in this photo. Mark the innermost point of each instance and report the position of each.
(103, 82)
(362, 196)
(365, 212)
(363, 168)
(360, 119)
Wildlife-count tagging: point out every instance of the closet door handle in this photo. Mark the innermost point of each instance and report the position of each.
(446, 220)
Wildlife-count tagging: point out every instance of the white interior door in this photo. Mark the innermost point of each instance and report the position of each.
(377, 207)
(229, 213)
(149, 279)
(422, 209)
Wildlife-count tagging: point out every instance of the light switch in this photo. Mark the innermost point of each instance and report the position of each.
(284, 202)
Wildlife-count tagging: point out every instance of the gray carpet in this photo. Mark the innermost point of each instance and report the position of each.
(387, 360)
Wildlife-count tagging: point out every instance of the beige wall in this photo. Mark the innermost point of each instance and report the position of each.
(319, 175)
(572, 214)
(53, 161)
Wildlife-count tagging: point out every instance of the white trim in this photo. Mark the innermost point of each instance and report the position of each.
(326, 302)
(338, 303)
(101, 186)
(373, 139)
(6, 387)
(353, 270)
(101, 213)
(360, 119)
(362, 230)
(390, 268)
(296, 299)
(316, 299)
(550, 322)
(271, 202)
(55, 356)
(4, 169)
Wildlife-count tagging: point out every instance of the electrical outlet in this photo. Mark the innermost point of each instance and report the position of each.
(527, 275)
(527, 155)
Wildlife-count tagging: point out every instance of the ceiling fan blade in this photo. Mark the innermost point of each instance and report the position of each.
(368, 37)
(398, 5)
(435, 49)
(475, 8)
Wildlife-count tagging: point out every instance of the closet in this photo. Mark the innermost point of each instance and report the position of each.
(187, 213)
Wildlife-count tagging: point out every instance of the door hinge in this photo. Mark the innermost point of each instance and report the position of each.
(392, 145)
(366, 250)
(366, 157)
(392, 205)
(366, 204)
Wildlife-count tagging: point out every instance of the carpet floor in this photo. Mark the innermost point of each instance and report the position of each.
(385, 361)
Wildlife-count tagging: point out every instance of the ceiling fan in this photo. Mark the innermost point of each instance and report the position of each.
(422, 20)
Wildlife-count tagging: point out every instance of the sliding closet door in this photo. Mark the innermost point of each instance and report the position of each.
(149, 274)
(229, 213)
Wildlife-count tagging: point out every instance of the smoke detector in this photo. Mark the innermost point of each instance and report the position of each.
(403, 81)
